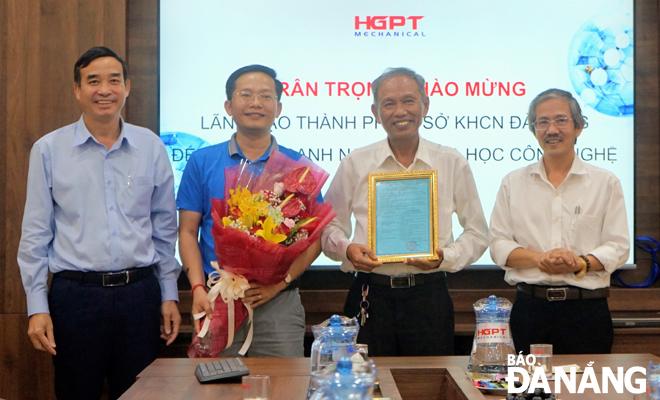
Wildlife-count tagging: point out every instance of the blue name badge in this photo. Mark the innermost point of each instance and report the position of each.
(403, 209)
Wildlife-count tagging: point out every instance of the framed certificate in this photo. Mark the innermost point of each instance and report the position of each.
(403, 214)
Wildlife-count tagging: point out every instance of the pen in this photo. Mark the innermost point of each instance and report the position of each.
(576, 214)
(128, 181)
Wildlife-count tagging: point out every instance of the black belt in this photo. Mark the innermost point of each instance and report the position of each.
(402, 281)
(113, 278)
(561, 293)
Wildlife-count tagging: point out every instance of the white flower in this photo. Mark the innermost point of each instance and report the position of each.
(276, 214)
(278, 188)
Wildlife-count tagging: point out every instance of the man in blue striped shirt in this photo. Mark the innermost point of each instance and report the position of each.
(99, 215)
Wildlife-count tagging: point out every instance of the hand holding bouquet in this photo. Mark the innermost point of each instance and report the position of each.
(264, 223)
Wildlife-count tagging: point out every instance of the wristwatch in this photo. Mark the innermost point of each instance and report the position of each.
(585, 267)
(288, 280)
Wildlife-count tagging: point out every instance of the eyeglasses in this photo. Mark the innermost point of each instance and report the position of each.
(265, 97)
(544, 124)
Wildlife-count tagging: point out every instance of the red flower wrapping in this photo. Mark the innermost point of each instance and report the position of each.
(254, 258)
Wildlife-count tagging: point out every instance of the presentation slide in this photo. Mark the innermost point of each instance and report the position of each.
(483, 62)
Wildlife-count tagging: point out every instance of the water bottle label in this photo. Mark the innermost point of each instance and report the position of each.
(493, 332)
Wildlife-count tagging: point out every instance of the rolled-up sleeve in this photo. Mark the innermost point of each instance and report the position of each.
(335, 236)
(501, 229)
(615, 248)
(472, 243)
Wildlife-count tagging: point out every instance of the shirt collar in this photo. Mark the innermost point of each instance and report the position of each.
(235, 150)
(422, 153)
(577, 168)
(82, 134)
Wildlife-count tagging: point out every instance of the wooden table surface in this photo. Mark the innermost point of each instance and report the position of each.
(401, 378)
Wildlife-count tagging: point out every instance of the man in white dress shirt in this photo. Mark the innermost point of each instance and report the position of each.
(409, 309)
(559, 229)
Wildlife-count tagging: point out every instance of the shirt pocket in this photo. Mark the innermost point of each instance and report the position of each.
(585, 233)
(138, 196)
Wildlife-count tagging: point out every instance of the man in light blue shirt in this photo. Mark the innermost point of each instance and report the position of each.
(100, 215)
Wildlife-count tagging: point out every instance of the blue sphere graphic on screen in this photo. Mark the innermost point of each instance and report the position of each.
(600, 63)
(180, 146)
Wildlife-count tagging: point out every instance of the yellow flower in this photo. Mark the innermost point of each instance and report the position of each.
(248, 221)
(241, 195)
(236, 197)
(267, 232)
(251, 208)
(225, 221)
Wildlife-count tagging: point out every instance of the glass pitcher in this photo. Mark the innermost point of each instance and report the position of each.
(333, 339)
(653, 380)
(341, 381)
(492, 337)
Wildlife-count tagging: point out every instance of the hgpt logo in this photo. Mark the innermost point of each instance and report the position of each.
(393, 25)
(382, 23)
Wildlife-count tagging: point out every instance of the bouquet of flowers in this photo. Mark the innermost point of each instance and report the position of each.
(266, 220)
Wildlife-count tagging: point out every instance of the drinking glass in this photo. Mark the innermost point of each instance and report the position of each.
(543, 354)
(256, 387)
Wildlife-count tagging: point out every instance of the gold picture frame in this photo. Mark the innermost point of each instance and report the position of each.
(403, 215)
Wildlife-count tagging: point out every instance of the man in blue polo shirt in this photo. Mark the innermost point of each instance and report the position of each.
(253, 94)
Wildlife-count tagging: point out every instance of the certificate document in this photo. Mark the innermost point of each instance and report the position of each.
(403, 215)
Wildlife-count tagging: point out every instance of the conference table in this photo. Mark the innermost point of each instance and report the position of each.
(401, 378)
